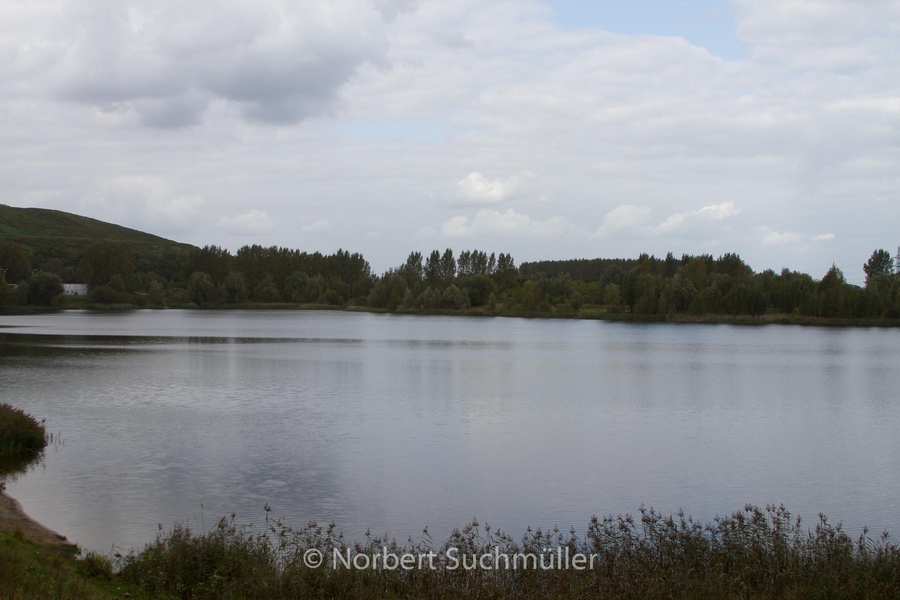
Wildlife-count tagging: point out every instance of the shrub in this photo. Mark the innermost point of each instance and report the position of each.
(21, 436)
(44, 288)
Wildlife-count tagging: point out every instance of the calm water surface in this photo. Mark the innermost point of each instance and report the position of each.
(394, 423)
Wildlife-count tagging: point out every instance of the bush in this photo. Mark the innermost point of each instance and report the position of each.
(21, 436)
(44, 288)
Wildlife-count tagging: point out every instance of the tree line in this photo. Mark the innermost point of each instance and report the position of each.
(471, 280)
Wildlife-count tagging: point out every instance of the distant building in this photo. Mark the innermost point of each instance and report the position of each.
(75, 289)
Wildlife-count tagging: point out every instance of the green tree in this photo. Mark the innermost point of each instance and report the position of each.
(4, 291)
(478, 288)
(679, 293)
(576, 300)
(55, 265)
(44, 288)
(104, 260)
(409, 301)
(492, 302)
(433, 268)
(448, 266)
(157, 293)
(14, 263)
(878, 264)
(832, 294)
(389, 291)
(201, 288)
(708, 301)
(453, 297)
(413, 269)
(213, 260)
(611, 297)
(266, 290)
(506, 272)
(429, 298)
(732, 265)
(235, 287)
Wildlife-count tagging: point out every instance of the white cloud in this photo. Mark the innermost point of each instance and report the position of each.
(458, 226)
(477, 190)
(825, 237)
(249, 223)
(888, 106)
(508, 224)
(770, 237)
(139, 200)
(633, 220)
(713, 212)
(424, 232)
(181, 211)
(623, 218)
(316, 227)
(168, 61)
(819, 34)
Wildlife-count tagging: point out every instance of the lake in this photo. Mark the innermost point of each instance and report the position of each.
(393, 423)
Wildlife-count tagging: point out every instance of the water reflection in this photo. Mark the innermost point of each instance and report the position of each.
(394, 423)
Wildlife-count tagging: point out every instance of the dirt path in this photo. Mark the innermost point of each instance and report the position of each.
(13, 518)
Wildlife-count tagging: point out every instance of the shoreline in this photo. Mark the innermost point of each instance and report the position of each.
(16, 522)
(589, 314)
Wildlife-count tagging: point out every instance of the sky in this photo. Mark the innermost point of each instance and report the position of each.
(550, 130)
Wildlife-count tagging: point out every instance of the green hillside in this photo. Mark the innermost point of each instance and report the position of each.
(49, 234)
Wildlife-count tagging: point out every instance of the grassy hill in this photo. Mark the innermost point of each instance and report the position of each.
(49, 234)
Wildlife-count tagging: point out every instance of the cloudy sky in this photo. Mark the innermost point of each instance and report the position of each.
(554, 129)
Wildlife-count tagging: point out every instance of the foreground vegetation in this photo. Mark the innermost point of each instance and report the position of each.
(22, 437)
(754, 553)
(29, 570)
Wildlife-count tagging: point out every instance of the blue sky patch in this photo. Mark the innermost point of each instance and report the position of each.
(706, 23)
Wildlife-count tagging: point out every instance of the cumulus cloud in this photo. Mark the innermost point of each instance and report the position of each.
(477, 190)
(392, 8)
(825, 237)
(168, 61)
(316, 227)
(138, 200)
(808, 34)
(424, 232)
(623, 218)
(179, 212)
(508, 224)
(249, 223)
(771, 237)
(713, 212)
(628, 219)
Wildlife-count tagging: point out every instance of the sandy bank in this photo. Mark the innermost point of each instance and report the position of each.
(13, 518)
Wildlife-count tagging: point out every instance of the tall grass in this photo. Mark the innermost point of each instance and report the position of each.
(753, 553)
(21, 435)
